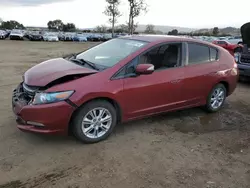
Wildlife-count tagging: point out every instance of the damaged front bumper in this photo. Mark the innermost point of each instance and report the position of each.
(51, 118)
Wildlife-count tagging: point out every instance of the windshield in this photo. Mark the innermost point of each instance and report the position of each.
(16, 32)
(111, 52)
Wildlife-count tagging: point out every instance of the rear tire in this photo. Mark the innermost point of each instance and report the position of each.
(216, 98)
(99, 117)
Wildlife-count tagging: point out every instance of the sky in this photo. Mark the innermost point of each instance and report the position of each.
(89, 14)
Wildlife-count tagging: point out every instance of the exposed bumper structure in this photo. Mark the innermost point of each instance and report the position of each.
(48, 118)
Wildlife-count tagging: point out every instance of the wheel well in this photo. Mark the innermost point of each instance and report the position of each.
(226, 85)
(111, 101)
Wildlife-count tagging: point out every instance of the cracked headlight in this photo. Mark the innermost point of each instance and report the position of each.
(46, 98)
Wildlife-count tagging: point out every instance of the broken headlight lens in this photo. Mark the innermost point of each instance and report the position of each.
(46, 98)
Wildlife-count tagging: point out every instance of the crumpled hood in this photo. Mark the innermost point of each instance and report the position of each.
(245, 33)
(48, 71)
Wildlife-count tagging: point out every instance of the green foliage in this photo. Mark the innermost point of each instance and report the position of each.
(136, 7)
(69, 27)
(55, 25)
(101, 29)
(58, 25)
(112, 12)
(12, 24)
(216, 31)
(173, 32)
(150, 29)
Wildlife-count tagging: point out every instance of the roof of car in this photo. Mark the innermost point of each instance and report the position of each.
(166, 38)
(155, 38)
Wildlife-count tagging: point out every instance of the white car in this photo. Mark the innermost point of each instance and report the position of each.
(2, 34)
(50, 37)
(16, 35)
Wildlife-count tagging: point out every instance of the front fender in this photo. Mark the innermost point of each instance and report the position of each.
(92, 96)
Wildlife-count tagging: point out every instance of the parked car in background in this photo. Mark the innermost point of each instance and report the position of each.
(3, 34)
(120, 80)
(69, 36)
(232, 48)
(95, 37)
(61, 36)
(80, 37)
(244, 57)
(16, 35)
(50, 37)
(35, 36)
(106, 37)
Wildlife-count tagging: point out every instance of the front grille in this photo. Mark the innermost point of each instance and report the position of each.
(19, 96)
(245, 60)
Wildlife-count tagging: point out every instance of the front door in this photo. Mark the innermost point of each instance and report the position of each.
(160, 91)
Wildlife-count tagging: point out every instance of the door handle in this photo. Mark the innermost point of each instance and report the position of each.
(175, 81)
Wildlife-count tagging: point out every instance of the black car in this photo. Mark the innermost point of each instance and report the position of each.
(244, 58)
(35, 36)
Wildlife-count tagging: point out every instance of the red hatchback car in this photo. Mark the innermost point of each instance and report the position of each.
(122, 79)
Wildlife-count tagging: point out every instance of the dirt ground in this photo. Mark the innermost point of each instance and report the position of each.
(185, 149)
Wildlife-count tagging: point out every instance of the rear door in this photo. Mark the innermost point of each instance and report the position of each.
(200, 72)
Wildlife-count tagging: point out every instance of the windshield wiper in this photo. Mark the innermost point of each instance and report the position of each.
(73, 55)
(83, 61)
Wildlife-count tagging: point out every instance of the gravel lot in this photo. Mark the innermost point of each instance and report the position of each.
(182, 149)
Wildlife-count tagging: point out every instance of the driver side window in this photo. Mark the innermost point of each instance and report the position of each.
(163, 57)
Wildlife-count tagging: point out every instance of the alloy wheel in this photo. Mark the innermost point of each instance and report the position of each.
(96, 123)
(217, 98)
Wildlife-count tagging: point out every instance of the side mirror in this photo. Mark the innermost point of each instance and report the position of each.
(145, 69)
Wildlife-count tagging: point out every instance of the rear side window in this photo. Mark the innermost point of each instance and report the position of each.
(198, 53)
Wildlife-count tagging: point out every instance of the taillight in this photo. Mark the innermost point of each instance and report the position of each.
(235, 65)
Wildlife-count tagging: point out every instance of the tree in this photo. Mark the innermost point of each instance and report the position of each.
(69, 27)
(113, 12)
(1, 21)
(56, 25)
(101, 29)
(215, 31)
(123, 28)
(150, 29)
(173, 32)
(136, 7)
(12, 24)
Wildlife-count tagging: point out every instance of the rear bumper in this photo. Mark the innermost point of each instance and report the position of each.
(47, 119)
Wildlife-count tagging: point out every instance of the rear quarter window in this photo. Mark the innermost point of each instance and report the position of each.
(213, 54)
(200, 53)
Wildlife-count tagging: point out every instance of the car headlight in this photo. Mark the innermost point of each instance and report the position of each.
(46, 98)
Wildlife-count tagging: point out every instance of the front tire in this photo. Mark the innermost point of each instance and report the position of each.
(216, 98)
(95, 121)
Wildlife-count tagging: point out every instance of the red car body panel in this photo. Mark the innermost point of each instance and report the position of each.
(45, 114)
(45, 72)
(136, 97)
